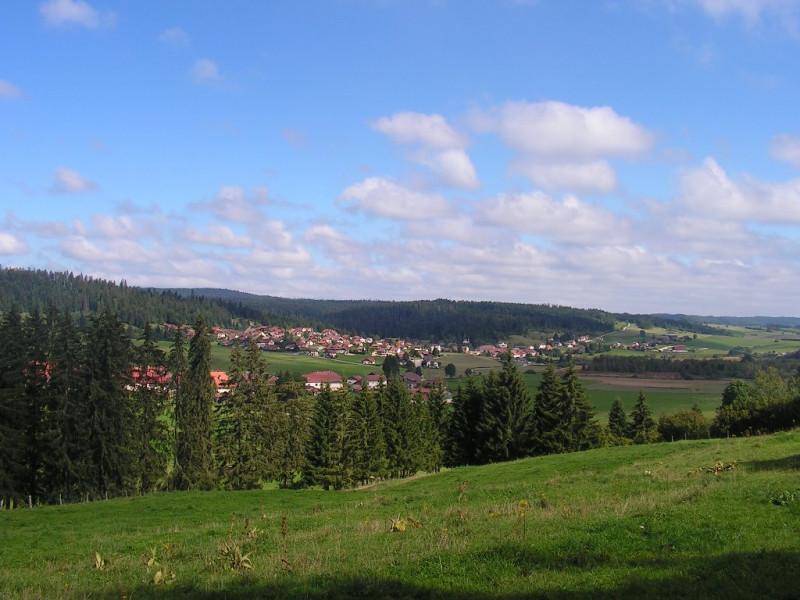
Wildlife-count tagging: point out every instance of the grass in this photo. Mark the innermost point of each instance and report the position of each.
(629, 522)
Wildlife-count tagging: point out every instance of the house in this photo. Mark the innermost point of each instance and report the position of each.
(368, 361)
(318, 379)
(374, 381)
(411, 379)
(222, 381)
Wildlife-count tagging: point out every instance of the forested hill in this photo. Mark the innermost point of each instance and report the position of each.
(438, 320)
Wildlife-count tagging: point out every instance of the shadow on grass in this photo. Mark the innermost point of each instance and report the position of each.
(728, 576)
(787, 463)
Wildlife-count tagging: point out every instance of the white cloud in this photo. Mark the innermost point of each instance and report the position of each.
(9, 90)
(205, 71)
(67, 181)
(591, 176)
(750, 10)
(10, 244)
(538, 213)
(384, 198)
(58, 13)
(440, 147)
(232, 203)
(709, 191)
(431, 131)
(218, 235)
(295, 138)
(562, 146)
(786, 148)
(555, 130)
(175, 36)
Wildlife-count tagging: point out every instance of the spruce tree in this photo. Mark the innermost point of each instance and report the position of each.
(150, 397)
(13, 408)
(506, 414)
(643, 426)
(618, 425)
(110, 415)
(549, 416)
(430, 454)
(365, 448)
(582, 432)
(194, 403)
(463, 440)
(245, 424)
(37, 334)
(402, 430)
(324, 451)
(293, 426)
(67, 459)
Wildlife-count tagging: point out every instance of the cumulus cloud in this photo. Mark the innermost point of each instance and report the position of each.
(786, 148)
(60, 13)
(218, 235)
(708, 190)
(205, 71)
(562, 131)
(9, 90)
(174, 36)
(67, 181)
(232, 203)
(10, 244)
(567, 220)
(596, 175)
(563, 145)
(432, 131)
(384, 198)
(438, 146)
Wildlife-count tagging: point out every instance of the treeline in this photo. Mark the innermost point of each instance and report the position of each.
(82, 296)
(712, 368)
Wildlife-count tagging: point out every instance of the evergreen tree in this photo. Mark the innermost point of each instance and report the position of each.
(67, 459)
(391, 366)
(618, 425)
(110, 418)
(176, 363)
(430, 447)
(643, 426)
(324, 451)
(365, 448)
(245, 424)
(13, 408)
(506, 414)
(401, 429)
(37, 334)
(293, 426)
(440, 412)
(150, 397)
(582, 431)
(549, 416)
(463, 440)
(194, 468)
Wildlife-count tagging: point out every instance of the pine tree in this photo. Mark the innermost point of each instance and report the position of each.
(194, 403)
(549, 416)
(643, 425)
(401, 429)
(150, 397)
(293, 426)
(110, 415)
(13, 407)
(440, 412)
(245, 424)
(430, 447)
(506, 415)
(618, 425)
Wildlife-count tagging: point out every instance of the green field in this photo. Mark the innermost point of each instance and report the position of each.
(705, 519)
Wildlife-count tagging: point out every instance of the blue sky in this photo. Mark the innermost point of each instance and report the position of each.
(639, 155)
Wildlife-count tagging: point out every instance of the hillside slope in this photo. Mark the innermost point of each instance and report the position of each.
(711, 519)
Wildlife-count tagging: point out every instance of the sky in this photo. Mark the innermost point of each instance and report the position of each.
(629, 155)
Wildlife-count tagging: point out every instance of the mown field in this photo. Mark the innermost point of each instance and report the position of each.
(705, 519)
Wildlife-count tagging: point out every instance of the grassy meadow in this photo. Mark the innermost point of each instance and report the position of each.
(702, 519)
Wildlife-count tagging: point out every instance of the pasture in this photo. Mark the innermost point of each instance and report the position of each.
(697, 519)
